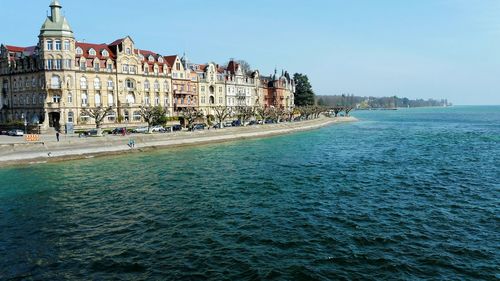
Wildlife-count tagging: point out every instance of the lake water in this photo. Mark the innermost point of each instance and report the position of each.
(400, 195)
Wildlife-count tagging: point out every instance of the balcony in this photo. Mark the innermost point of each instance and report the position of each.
(181, 92)
(55, 86)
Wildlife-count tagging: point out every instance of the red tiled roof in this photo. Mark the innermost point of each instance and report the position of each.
(117, 42)
(26, 50)
(170, 60)
(98, 49)
(15, 49)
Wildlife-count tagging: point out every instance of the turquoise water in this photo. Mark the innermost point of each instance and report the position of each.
(400, 195)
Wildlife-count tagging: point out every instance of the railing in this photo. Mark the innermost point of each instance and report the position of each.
(177, 92)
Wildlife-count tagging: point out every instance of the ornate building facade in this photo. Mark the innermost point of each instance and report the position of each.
(50, 83)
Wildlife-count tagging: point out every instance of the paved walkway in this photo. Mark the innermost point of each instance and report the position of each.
(18, 151)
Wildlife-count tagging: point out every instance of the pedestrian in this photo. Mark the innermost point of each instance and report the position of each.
(57, 136)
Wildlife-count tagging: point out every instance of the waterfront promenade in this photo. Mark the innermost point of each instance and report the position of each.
(15, 151)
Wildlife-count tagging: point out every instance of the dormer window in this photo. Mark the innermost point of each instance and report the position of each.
(128, 51)
(92, 52)
(141, 57)
(160, 60)
(79, 51)
(151, 58)
(105, 53)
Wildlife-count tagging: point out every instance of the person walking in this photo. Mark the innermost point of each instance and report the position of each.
(57, 136)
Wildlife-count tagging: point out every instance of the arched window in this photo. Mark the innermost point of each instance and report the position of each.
(126, 116)
(92, 52)
(129, 84)
(105, 53)
(130, 98)
(111, 99)
(55, 82)
(97, 65)
(33, 99)
(97, 83)
(97, 99)
(146, 85)
(157, 100)
(146, 100)
(157, 86)
(79, 51)
(70, 98)
(166, 101)
(85, 99)
(128, 51)
(165, 86)
(160, 60)
(212, 99)
(110, 84)
(151, 58)
(83, 83)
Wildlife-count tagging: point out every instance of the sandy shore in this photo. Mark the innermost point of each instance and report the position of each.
(70, 148)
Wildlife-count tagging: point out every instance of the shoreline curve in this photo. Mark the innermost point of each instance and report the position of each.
(76, 148)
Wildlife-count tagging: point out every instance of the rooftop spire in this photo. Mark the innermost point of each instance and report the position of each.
(56, 24)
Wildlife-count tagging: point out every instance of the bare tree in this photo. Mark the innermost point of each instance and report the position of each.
(98, 114)
(191, 114)
(337, 110)
(153, 115)
(277, 114)
(245, 113)
(264, 113)
(348, 109)
(221, 113)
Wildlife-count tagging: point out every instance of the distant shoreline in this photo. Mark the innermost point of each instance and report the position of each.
(74, 148)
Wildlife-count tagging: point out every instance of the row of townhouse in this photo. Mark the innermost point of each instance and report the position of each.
(52, 82)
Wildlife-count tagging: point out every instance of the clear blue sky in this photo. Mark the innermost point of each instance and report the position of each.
(413, 48)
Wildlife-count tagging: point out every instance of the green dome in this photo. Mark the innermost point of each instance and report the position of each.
(56, 24)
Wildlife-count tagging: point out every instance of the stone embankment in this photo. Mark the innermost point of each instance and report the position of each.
(73, 147)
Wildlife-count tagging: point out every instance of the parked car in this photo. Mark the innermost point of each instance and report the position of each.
(176, 128)
(16, 133)
(236, 123)
(158, 129)
(269, 121)
(252, 123)
(118, 131)
(197, 127)
(228, 124)
(141, 130)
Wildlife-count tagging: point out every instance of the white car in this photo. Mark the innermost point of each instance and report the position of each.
(158, 129)
(141, 130)
(16, 133)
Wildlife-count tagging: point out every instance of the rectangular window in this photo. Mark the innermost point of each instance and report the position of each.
(70, 98)
(58, 64)
(125, 68)
(49, 64)
(67, 64)
(96, 66)
(110, 67)
(56, 99)
(83, 65)
(178, 66)
(49, 45)
(66, 45)
(58, 45)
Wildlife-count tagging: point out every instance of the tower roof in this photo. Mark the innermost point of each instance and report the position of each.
(56, 24)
